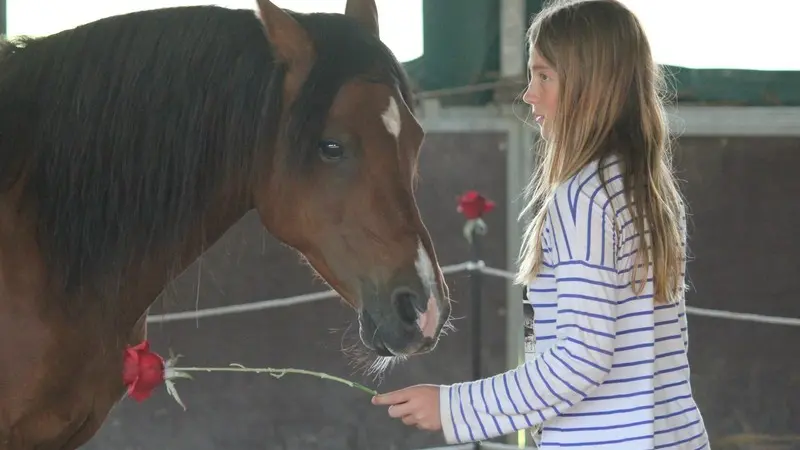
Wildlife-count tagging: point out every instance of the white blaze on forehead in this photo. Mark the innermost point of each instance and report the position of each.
(391, 118)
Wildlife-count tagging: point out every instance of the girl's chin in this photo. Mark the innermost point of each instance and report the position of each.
(543, 131)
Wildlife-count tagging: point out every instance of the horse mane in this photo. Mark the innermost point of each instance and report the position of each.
(106, 182)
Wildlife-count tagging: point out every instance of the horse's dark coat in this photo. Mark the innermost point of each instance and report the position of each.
(124, 129)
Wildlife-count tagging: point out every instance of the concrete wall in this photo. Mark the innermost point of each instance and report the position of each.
(742, 192)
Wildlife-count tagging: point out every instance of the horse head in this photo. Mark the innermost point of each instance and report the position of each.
(353, 215)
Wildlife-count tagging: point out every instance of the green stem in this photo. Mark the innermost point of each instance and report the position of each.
(277, 373)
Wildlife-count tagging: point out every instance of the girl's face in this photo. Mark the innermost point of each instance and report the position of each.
(542, 93)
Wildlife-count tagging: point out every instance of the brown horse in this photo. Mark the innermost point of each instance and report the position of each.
(130, 144)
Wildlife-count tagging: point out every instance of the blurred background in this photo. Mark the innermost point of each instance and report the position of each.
(736, 71)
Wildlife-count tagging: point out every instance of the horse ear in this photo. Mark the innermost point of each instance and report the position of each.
(288, 38)
(365, 12)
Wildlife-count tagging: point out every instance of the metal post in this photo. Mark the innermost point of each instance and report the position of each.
(512, 38)
(519, 166)
(513, 21)
(476, 286)
(3, 17)
(512, 65)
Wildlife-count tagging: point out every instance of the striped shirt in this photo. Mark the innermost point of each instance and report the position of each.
(609, 369)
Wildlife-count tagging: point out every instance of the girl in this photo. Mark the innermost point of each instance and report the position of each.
(603, 257)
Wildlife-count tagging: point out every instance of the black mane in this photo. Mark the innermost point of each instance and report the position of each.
(125, 129)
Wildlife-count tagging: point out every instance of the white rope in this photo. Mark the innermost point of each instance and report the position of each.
(468, 266)
(775, 320)
(749, 317)
(234, 309)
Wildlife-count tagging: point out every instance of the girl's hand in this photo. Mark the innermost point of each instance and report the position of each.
(415, 405)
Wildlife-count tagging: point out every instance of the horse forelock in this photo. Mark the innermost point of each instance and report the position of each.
(345, 52)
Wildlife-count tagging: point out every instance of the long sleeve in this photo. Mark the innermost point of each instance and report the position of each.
(581, 249)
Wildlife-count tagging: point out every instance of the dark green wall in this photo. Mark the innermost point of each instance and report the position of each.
(461, 47)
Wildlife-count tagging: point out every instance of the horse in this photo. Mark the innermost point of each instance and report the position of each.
(130, 144)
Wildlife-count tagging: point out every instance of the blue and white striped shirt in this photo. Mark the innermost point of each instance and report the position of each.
(610, 368)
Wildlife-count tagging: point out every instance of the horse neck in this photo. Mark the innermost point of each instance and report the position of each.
(143, 283)
(114, 308)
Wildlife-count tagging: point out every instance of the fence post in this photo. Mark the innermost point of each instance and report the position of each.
(3, 18)
(476, 287)
(473, 206)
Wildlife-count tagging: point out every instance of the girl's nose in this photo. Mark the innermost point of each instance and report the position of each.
(529, 96)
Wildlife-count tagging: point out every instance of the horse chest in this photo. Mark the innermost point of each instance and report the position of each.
(57, 389)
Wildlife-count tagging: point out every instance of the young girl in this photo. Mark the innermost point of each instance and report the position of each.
(603, 258)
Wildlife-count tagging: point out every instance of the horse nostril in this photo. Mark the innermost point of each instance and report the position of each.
(404, 304)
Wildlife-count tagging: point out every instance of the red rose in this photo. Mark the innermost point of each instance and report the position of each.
(473, 205)
(142, 371)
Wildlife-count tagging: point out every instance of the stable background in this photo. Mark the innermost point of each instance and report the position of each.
(738, 153)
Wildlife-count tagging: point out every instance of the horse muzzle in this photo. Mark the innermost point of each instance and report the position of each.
(407, 322)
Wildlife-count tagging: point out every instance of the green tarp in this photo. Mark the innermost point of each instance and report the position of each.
(461, 47)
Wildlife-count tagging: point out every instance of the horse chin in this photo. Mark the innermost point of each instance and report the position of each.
(376, 363)
(368, 333)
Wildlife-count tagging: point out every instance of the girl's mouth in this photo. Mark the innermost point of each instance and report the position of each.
(539, 119)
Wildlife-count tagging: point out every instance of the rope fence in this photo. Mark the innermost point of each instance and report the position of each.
(473, 267)
(472, 205)
(468, 266)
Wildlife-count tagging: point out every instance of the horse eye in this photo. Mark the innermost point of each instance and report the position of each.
(331, 150)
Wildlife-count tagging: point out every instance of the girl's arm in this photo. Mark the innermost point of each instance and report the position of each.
(583, 248)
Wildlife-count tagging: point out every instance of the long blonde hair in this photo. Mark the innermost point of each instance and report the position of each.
(610, 101)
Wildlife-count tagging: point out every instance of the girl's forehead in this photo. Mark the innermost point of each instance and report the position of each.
(537, 62)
